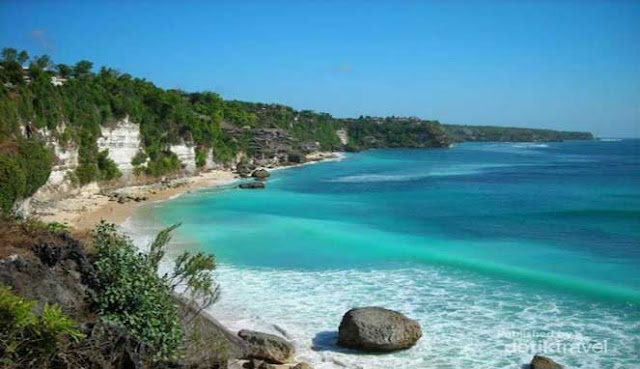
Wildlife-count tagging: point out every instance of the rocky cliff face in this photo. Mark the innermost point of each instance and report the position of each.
(122, 140)
(59, 184)
(187, 155)
(342, 135)
(123, 143)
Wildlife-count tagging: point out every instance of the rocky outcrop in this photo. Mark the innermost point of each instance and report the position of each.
(252, 185)
(343, 136)
(543, 362)
(207, 341)
(267, 347)
(123, 142)
(377, 329)
(260, 174)
(296, 157)
(50, 269)
(187, 155)
(259, 364)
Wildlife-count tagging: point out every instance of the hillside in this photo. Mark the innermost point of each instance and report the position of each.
(461, 133)
(64, 127)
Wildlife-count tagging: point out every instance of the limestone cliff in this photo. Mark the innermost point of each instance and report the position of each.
(123, 143)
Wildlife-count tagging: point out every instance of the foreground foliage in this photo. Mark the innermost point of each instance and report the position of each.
(25, 165)
(32, 340)
(132, 294)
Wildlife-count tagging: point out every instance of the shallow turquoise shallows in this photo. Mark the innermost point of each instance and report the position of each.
(499, 250)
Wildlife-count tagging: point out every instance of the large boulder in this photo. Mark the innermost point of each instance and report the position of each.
(296, 157)
(543, 362)
(260, 174)
(267, 347)
(377, 329)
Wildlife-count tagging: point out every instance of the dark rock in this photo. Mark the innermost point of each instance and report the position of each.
(207, 341)
(296, 157)
(377, 329)
(267, 347)
(251, 185)
(260, 173)
(48, 252)
(543, 362)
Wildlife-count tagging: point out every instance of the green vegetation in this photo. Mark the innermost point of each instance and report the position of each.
(32, 340)
(375, 132)
(25, 165)
(511, 134)
(75, 110)
(131, 293)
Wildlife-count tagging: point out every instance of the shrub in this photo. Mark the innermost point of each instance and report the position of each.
(132, 294)
(139, 159)
(12, 183)
(30, 340)
(36, 161)
(201, 157)
(107, 167)
(25, 165)
(57, 227)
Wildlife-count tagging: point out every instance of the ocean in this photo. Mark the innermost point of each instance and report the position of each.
(499, 250)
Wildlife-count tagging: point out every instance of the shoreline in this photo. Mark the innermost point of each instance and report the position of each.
(82, 211)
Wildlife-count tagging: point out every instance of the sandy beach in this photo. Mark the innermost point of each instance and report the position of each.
(87, 208)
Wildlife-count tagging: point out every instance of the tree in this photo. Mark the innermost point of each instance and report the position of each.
(82, 68)
(64, 70)
(43, 62)
(23, 57)
(9, 54)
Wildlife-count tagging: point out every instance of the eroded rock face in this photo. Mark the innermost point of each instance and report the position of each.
(123, 141)
(267, 347)
(377, 329)
(543, 362)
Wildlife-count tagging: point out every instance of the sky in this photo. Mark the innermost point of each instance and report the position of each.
(571, 65)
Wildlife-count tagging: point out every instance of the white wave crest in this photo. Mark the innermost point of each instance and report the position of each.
(610, 139)
(465, 323)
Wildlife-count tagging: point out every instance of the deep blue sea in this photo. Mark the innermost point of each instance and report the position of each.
(499, 250)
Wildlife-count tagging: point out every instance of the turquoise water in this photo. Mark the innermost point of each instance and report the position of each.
(492, 247)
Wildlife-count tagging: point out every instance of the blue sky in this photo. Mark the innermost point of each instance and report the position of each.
(553, 64)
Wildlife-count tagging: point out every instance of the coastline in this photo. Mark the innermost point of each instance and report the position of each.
(85, 209)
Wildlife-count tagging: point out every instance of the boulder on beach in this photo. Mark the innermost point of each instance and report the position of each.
(377, 329)
(296, 157)
(267, 347)
(543, 362)
(260, 174)
(251, 185)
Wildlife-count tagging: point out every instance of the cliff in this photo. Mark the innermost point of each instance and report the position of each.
(109, 129)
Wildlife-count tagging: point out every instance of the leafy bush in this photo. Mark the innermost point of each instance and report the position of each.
(163, 163)
(57, 227)
(12, 183)
(139, 159)
(133, 295)
(36, 161)
(24, 166)
(201, 157)
(30, 340)
(107, 167)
